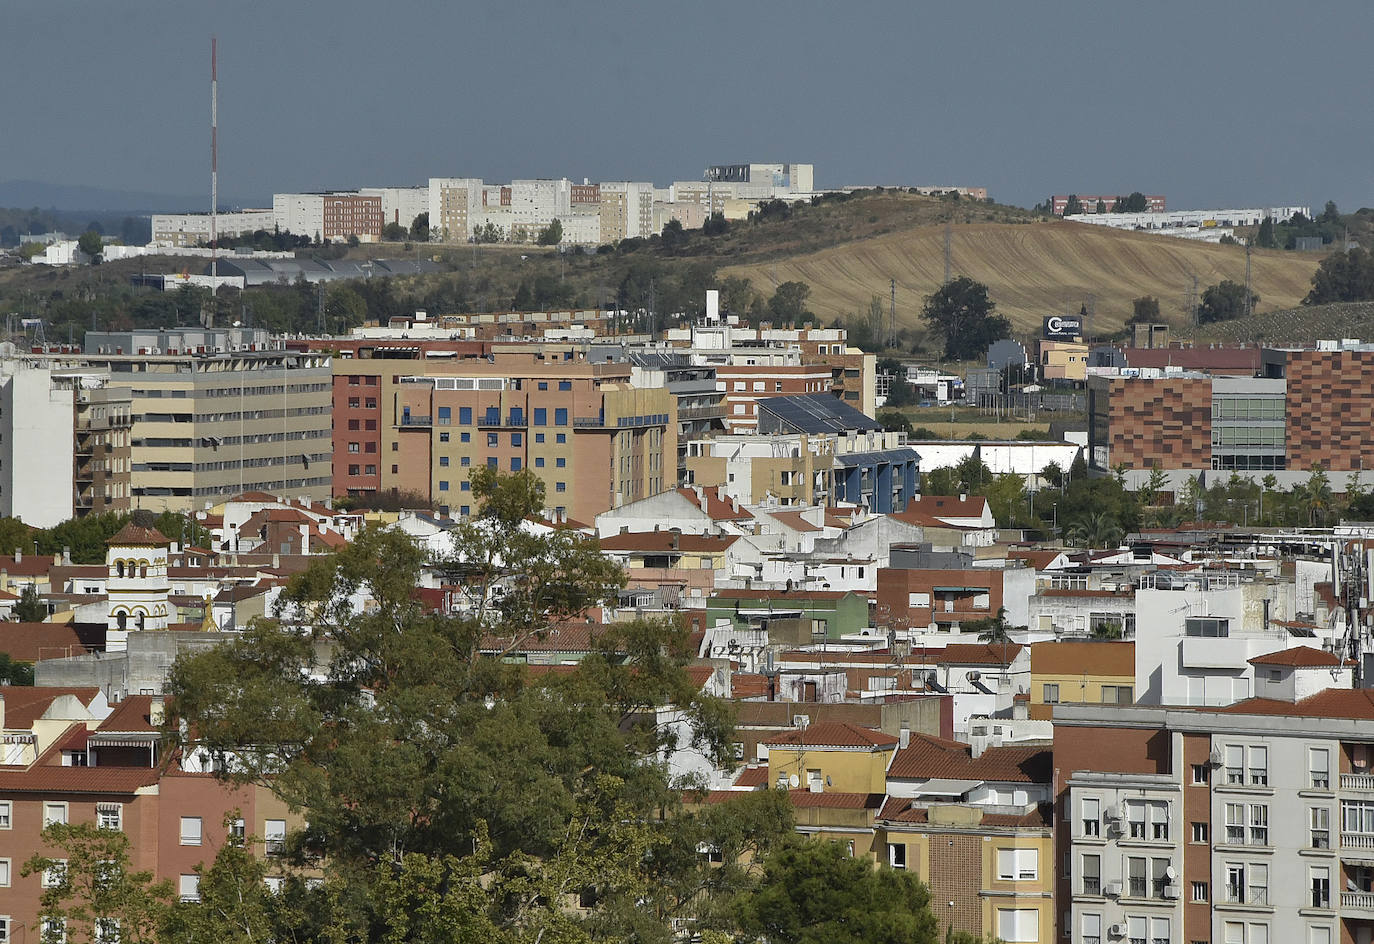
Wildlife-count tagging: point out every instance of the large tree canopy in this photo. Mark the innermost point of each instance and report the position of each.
(962, 311)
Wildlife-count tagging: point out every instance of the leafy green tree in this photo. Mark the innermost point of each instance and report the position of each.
(14, 673)
(552, 234)
(1072, 207)
(415, 736)
(788, 304)
(394, 233)
(1101, 205)
(1224, 301)
(1150, 492)
(1315, 496)
(92, 244)
(716, 225)
(488, 232)
(1343, 277)
(674, 236)
(1095, 530)
(87, 537)
(894, 421)
(1264, 238)
(30, 608)
(419, 228)
(1006, 495)
(14, 535)
(991, 629)
(91, 888)
(736, 294)
(814, 893)
(962, 311)
(1145, 310)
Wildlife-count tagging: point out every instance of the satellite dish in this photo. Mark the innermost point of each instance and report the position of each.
(794, 781)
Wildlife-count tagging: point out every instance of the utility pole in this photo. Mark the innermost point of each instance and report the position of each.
(949, 229)
(892, 314)
(1247, 279)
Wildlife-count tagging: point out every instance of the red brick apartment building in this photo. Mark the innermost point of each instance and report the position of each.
(352, 214)
(63, 764)
(938, 598)
(421, 424)
(1153, 203)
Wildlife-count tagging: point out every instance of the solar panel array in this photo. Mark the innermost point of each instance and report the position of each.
(816, 413)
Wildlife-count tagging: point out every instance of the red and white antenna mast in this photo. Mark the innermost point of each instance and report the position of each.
(214, 168)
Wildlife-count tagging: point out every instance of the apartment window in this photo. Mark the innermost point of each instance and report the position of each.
(541, 416)
(443, 485)
(4, 929)
(274, 836)
(1319, 880)
(1137, 876)
(238, 832)
(758, 386)
(465, 437)
(1018, 865)
(1258, 765)
(109, 815)
(189, 889)
(465, 486)
(1259, 824)
(353, 447)
(55, 874)
(1091, 875)
(515, 464)
(491, 462)
(54, 813)
(1159, 819)
(354, 469)
(1319, 768)
(190, 830)
(5, 813)
(1235, 824)
(54, 929)
(538, 437)
(565, 385)
(1091, 809)
(465, 416)
(1118, 694)
(560, 462)
(1050, 694)
(1199, 891)
(464, 461)
(560, 437)
(560, 418)
(1159, 931)
(1092, 929)
(1201, 775)
(443, 438)
(493, 440)
(1207, 627)
(1018, 924)
(539, 462)
(4, 873)
(896, 855)
(1235, 883)
(560, 486)
(1320, 819)
(1258, 876)
(739, 385)
(1137, 929)
(1314, 936)
(106, 930)
(1135, 816)
(1235, 763)
(1199, 832)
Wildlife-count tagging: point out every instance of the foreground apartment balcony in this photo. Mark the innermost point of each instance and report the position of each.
(1358, 782)
(411, 419)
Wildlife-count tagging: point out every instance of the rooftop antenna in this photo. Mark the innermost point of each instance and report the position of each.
(214, 166)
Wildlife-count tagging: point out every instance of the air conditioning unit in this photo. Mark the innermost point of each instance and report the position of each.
(1112, 889)
(1117, 930)
(1112, 814)
(1171, 890)
(1215, 758)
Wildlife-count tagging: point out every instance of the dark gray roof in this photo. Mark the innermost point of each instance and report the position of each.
(816, 413)
(876, 458)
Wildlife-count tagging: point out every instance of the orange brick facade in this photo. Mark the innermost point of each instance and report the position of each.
(1165, 423)
(1329, 391)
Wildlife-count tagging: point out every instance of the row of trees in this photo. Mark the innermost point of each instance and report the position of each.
(1135, 203)
(86, 537)
(456, 796)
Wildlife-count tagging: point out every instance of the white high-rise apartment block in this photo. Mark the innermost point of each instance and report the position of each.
(301, 214)
(627, 210)
(36, 445)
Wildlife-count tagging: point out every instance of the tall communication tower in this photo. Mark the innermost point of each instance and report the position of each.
(214, 166)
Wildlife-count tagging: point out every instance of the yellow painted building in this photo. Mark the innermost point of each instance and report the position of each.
(831, 756)
(1074, 673)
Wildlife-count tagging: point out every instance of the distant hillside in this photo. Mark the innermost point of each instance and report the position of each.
(1031, 270)
(78, 198)
(1297, 325)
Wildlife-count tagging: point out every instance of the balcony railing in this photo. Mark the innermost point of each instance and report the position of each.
(1357, 840)
(701, 412)
(1357, 782)
(1357, 901)
(410, 419)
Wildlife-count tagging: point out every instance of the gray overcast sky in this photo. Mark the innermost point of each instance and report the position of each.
(1212, 104)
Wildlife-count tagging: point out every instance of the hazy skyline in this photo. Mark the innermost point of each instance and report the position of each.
(1234, 104)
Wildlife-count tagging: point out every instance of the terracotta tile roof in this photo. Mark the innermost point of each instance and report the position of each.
(1301, 657)
(1348, 703)
(660, 541)
(835, 800)
(1083, 658)
(700, 674)
(32, 565)
(25, 704)
(715, 507)
(752, 777)
(929, 758)
(949, 506)
(34, 642)
(795, 521)
(129, 716)
(123, 781)
(833, 734)
(131, 535)
(568, 636)
(971, 653)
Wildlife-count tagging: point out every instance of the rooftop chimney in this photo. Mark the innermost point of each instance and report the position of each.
(66, 557)
(904, 737)
(157, 711)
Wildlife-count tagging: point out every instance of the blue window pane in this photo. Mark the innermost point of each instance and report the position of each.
(565, 385)
(465, 415)
(515, 464)
(539, 462)
(491, 462)
(464, 461)
(516, 439)
(560, 417)
(538, 437)
(463, 511)
(443, 460)
(464, 486)
(541, 416)
(465, 437)
(445, 414)
(443, 486)
(561, 437)
(560, 462)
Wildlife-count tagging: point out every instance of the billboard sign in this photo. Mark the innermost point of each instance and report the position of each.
(1063, 328)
